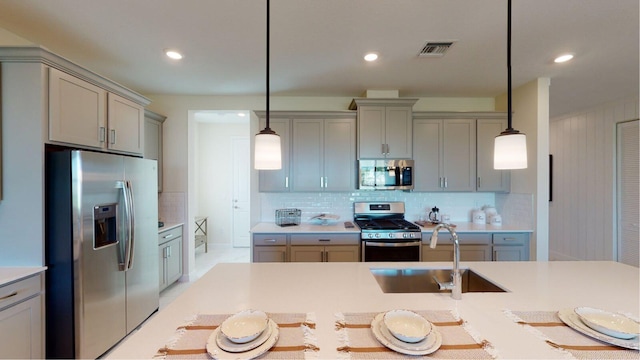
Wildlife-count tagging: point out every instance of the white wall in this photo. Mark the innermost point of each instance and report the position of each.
(582, 213)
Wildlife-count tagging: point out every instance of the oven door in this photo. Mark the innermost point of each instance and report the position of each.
(380, 250)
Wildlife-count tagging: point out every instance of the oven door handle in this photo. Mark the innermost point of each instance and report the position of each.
(393, 244)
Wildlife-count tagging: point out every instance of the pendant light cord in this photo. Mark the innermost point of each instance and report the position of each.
(509, 108)
(268, 37)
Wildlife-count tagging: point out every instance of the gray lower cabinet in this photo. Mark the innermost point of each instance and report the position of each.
(467, 253)
(473, 247)
(325, 248)
(21, 319)
(316, 247)
(479, 247)
(169, 256)
(510, 247)
(269, 248)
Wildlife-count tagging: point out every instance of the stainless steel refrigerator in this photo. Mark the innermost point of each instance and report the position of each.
(101, 250)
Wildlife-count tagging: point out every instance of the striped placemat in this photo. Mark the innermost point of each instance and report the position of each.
(297, 338)
(459, 341)
(548, 327)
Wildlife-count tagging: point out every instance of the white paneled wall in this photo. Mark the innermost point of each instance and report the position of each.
(582, 213)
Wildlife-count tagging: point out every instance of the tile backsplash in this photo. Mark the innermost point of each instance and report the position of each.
(417, 204)
(172, 206)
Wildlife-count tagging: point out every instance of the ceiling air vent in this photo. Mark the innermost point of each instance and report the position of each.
(435, 48)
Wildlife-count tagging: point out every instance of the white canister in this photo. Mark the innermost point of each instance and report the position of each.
(479, 217)
(445, 218)
(489, 211)
(495, 220)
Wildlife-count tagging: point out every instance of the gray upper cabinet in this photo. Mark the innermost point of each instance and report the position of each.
(153, 140)
(444, 154)
(323, 155)
(384, 128)
(490, 179)
(277, 180)
(81, 113)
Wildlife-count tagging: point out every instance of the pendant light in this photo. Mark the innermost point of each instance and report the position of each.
(510, 147)
(268, 153)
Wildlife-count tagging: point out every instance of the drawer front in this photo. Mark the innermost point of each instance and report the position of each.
(325, 239)
(169, 235)
(269, 239)
(464, 238)
(509, 239)
(20, 290)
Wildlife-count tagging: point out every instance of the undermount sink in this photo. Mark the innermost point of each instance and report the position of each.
(426, 281)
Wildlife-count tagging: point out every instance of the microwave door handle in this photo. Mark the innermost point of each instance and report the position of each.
(132, 223)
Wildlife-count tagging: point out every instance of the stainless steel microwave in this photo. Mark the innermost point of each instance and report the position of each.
(385, 174)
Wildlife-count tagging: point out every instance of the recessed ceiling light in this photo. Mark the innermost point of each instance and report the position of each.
(371, 57)
(563, 58)
(174, 54)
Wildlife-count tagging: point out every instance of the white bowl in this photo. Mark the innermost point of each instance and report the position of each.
(608, 323)
(244, 326)
(406, 325)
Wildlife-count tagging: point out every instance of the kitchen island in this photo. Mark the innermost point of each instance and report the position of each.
(326, 289)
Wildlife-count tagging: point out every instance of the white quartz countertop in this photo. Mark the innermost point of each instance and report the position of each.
(11, 274)
(169, 227)
(467, 227)
(271, 228)
(329, 288)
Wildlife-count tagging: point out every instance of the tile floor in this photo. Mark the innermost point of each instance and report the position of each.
(204, 262)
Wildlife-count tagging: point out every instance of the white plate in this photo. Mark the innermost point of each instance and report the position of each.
(427, 346)
(608, 323)
(572, 320)
(218, 353)
(227, 345)
(244, 326)
(407, 325)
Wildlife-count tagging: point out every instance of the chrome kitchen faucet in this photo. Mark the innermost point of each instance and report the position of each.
(456, 291)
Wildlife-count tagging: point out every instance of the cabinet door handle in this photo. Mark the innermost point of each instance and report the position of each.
(446, 183)
(479, 181)
(326, 182)
(441, 182)
(9, 295)
(509, 239)
(102, 134)
(167, 236)
(321, 182)
(325, 240)
(286, 181)
(270, 240)
(324, 256)
(112, 136)
(387, 146)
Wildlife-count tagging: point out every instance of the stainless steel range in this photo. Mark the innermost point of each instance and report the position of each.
(385, 234)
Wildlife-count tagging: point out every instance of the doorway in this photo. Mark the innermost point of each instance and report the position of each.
(222, 166)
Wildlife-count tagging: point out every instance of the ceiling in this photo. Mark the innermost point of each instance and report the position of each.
(317, 45)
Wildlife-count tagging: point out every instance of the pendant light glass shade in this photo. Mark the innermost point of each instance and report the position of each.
(510, 151)
(268, 153)
(510, 147)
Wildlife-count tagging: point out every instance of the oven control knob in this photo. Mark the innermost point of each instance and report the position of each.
(377, 235)
(412, 235)
(391, 235)
(370, 236)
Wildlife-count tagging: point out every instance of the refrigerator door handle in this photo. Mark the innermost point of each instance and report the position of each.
(123, 255)
(130, 225)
